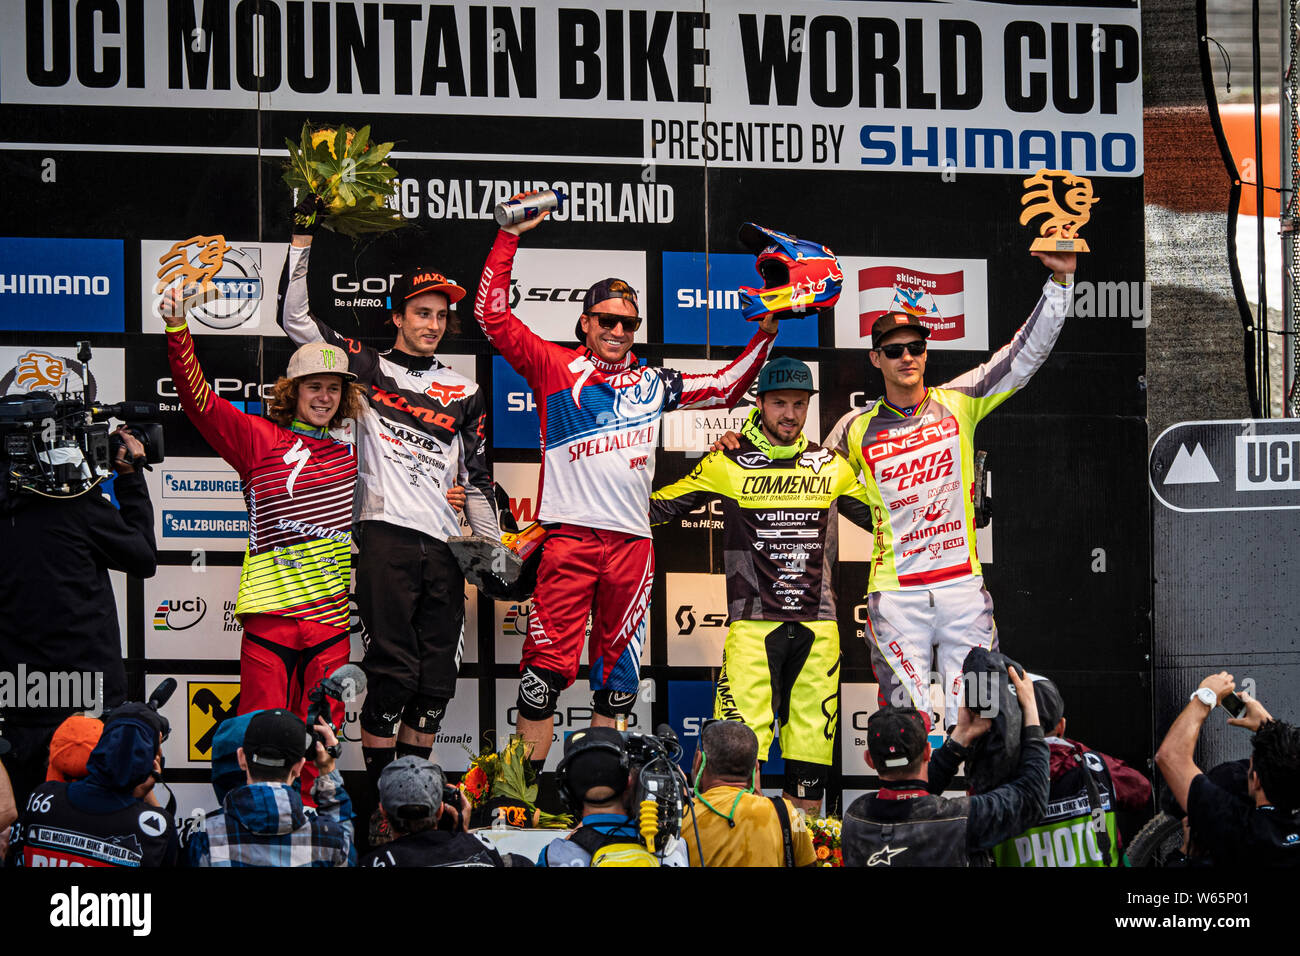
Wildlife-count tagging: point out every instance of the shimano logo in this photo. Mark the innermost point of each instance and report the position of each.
(17, 284)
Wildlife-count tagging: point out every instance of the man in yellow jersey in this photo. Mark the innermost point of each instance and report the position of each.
(913, 450)
(781, 495)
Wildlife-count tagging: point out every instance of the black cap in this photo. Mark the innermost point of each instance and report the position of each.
(896, 736)
(595, 757)
(889, 321)
(1051, 705)
(276, 738)
(603, 291)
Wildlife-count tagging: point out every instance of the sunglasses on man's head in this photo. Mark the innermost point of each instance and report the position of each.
(894, 350)
(610, 320)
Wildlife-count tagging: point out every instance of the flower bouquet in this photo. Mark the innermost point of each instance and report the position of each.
(826, 840)
(503, 787)
(353, 182)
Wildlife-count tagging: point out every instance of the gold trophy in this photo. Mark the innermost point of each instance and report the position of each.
(1060, 231)
(193, 261)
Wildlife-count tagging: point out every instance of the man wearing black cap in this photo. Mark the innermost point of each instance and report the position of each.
(600, 412)
(1087, 788)
(264, 822)
(109, 817)
(913, 449)
(411, 799)
(781, 494)
(906, 823)
(422, 432)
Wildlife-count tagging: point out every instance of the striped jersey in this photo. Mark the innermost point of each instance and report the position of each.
(600, 423)
(298, 484)
(919, 467)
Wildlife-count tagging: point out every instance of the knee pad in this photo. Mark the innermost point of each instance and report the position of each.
(424, 713)
(383, 707)
(539, 692)
(612, 703)
(805, 780)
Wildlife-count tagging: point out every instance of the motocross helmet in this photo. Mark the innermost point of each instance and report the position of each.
(800, 277)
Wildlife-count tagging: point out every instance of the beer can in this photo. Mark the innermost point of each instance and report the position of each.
(514, 211)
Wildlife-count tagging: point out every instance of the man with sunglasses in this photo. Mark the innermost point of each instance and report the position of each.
(914, 451)
(600, 412)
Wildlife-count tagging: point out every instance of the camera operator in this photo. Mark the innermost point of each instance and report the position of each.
(906, 823)
(1264, 831)
(57, 612)
(597, 775)
(110, 817)
(264, 823)
(428, 820)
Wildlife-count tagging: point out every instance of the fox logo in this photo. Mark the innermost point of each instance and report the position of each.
(931, 512)
(815, 459)
(445, 393)
(638, 462)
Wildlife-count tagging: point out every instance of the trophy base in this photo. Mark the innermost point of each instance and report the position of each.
(1051, 244)
(194, 295)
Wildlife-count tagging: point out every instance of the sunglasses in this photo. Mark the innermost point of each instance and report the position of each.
(894, 350)
(609, 321)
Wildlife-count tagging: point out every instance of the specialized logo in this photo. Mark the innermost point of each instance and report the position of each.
(171, 615)
(298, 456)
(445, 393)
(815, 459)
(210, 703)
(234, 275)
(753, 459)
(885, 855)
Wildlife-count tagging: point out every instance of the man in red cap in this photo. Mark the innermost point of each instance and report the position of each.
(422, 430)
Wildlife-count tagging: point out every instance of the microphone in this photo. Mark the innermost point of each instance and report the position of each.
(161, 694)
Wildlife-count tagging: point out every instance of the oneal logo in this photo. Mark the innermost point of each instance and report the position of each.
(944, 428)
(77, 909)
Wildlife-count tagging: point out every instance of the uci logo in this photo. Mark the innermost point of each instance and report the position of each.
(171, 615)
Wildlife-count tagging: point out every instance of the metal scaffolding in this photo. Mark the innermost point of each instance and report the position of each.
(1290, 219)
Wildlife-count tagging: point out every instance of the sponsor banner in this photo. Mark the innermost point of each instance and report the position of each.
(547, 287)
(572, 712)
(949, 296)
(72, 285)
(198, 503)
(696, 612)
(856, 544)
(459, 731)
(690, 703)
(56, 369)
(246, 274)
(857, 703)
(694, 430)
(519, 479)
(702, 302)
(199, 704)
(975, 88)
(189, 613)
(515, 423)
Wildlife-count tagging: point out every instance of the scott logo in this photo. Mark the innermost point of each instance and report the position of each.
(685, 619)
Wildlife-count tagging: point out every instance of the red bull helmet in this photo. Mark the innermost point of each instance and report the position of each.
(799, 277)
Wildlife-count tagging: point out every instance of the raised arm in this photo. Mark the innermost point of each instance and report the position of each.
(302, 327)
(726, 386)
(523, 348)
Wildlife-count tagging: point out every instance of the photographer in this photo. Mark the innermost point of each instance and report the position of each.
(427, 819)
(264, 823)
(906, 823)
(1263, 831)
(57, 612)
(110, 817)
(597, 775)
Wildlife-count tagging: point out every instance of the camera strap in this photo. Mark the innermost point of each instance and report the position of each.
(787, 838)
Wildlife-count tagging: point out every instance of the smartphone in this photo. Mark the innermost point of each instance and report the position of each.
(1233, 704)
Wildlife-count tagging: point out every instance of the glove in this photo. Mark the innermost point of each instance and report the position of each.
(307, 215)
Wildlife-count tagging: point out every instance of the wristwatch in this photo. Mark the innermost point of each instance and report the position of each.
(1206, 697)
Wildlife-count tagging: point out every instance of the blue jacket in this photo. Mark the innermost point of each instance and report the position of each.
(265, 824)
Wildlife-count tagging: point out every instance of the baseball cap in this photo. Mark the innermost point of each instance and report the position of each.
(890, 321)
(411, 787)
(785, 372)
(317, 358)
(1051, 705)
(419, 281)
(276, 738)
(70, 747)
(896, 736)
(603, 291)
(594, 757)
